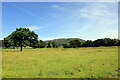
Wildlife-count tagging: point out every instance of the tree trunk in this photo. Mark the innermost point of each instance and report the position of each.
(21, 48)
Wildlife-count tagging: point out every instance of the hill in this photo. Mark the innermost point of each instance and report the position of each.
(60, 41)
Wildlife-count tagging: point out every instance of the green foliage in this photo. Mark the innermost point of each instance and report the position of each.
(8, 42)
(55, 45)
(61, 41)
(21, 37)
(66, 45)
(75, 43)
(95, 43)
(106, 42)
(41, 44)
(49, 44)
(34, 43)
(87, 43)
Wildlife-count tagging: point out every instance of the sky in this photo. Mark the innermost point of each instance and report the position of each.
(60, 0)
(52, 20)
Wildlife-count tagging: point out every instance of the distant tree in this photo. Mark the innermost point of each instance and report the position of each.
(49, 44)
(66, 45)
(41, 44)
(105, 42)
(72, 44)
(55, 45)
(118, 44)
(95, 43)
(75, 43)
(99, 42)
(88, 43)
(109, 41)
(23, 35)
(116, 41)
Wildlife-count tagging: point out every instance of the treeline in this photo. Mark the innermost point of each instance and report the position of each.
(90, 43)
(8, 43)
(44, 44)
(23, 37)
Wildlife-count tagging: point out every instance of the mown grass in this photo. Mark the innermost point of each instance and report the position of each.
(96, 62)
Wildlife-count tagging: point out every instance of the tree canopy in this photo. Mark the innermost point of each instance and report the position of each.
(21, 37)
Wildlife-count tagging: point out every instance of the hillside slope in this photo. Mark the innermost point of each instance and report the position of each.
(61, 41)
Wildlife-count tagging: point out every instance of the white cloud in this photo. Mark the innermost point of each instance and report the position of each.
(92, 21)
(34, 27)
(58, 7)
(100, 18)
(55, 6)
(97, 10)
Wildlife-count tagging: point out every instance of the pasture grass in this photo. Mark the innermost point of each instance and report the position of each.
(90, 62)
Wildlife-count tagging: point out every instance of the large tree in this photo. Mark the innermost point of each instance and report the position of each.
(23, 36)
(7, 42)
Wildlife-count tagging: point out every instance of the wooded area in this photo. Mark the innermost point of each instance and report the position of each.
(23, 37)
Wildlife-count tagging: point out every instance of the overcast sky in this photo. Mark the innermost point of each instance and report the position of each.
(52, 20)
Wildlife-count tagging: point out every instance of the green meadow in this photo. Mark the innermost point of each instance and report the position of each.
(89, 62)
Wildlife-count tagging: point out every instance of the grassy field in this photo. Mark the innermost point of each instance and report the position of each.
(94, 62)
